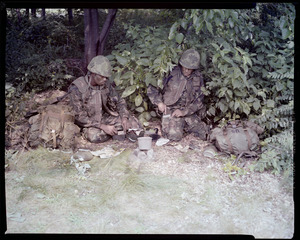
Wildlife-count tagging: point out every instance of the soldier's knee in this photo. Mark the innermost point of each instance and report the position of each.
(95, 135)
(174, 135)
(201, 131)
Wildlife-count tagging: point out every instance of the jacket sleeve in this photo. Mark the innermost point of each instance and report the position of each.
(194, 106)
(117, 103)
(197, 101)
(154, 95)
(79, 108)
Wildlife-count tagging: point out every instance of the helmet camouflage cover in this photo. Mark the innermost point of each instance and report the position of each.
(100, 65)
(190, 59)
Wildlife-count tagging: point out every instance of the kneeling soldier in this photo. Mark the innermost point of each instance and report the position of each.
(98, 108)
(181, 99)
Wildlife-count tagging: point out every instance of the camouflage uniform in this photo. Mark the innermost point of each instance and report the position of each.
(183, 93)
(96, 105)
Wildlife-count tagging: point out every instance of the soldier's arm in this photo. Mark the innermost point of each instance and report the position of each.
(120, 103)
(154, 95)
(194, 106)
(197, 102)
(79, 108)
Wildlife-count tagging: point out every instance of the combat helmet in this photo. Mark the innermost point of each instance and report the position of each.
(190, 59)
(100, 65)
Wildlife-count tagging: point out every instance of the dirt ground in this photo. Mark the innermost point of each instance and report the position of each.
(176, 192)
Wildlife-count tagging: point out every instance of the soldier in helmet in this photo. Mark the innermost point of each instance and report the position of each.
(98, 108)
(181, 99)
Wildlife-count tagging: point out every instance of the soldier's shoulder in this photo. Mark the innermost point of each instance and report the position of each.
(81, 84)
(197, 73)
(175, 71)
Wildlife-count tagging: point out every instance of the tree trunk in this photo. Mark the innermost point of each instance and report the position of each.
(19, 15)
(27, 13)
(70, 14)
(91, 32)
(33, 12)
(105, 30)
(44, 13)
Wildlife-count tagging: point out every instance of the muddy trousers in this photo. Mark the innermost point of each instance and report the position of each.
(96, 135)
(173, 128)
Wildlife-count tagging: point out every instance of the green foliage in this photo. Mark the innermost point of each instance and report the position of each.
(146, 57)
(248, 65)
(233, 170)
(277, 154)
(15, 104)
(37, 51)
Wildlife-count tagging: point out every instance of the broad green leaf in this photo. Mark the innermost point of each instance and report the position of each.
(291, 44)
(209, 27)
(270, 103)
(218, 21)
(286, 33)
(215, 46)
(145, 106)
(110, 57)
(246, 108)
(240, 93)
(173, 30)
(138, 100)
(122, 60)
(231, 23)
(143, 61)
(149, 79)
(222, 106)
(184, 23)
(128, 91)
(139, 109)
(236, 105)
(127, 75)
(117, 79)
(179, 38)
(199, 27)
(215, 57)
(236, 83)
(256, 104)
(235, 15)
(146, 116)
(262, 94)
(279, 86)
(212, 111)
(203, 59)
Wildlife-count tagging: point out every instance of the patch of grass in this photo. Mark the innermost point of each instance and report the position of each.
(23, 194)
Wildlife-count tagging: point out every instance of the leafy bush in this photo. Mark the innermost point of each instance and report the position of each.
(248, 65)
(145, 58)
(277, 155)
(37, 51)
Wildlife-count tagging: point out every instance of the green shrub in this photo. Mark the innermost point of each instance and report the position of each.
(145, 58)
(278, 157)
(248, 65)
(37, 51)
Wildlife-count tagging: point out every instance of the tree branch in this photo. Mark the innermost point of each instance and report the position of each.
(105, 30)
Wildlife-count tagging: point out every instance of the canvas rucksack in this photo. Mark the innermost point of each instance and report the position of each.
(237, 137)
(53, 127)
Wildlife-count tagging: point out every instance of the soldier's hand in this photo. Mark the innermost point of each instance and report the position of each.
(125, 124)
(177, 113)
(162, 107)
(109, 129)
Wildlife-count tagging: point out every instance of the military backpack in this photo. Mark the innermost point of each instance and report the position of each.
(237, 137)
(53, 127)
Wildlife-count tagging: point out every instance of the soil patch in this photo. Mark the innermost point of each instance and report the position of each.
(177, 192)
